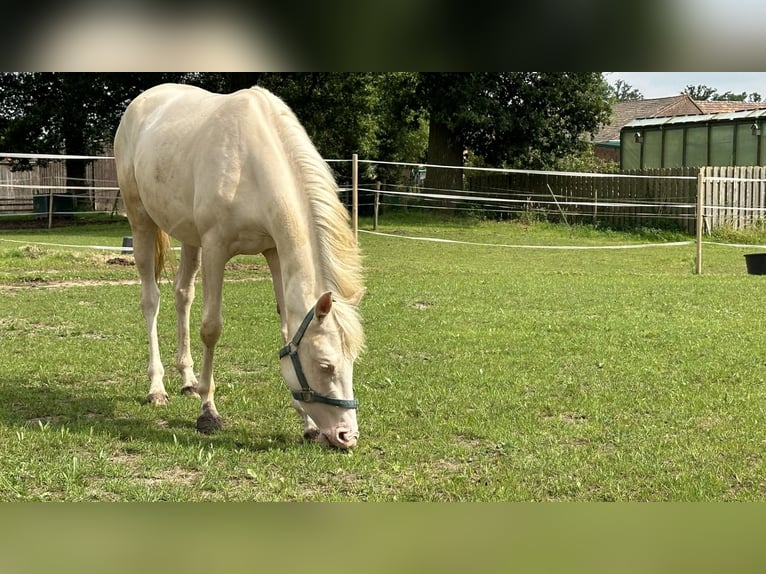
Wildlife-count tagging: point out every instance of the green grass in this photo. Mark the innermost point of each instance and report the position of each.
(492, 373)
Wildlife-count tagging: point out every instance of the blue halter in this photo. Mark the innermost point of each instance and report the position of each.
(307, 394)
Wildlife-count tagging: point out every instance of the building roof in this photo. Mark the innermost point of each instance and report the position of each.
(681, 105)
(754, 114)
(717, 107)
(624, 112)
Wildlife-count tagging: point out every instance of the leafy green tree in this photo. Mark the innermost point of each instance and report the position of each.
(729, 96)
(402, 130)
(337, 109)
(371, 114)
(519, 119)
(706, 93)
(624, 92)
(700, 92)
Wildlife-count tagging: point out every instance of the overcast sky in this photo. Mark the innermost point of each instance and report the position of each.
(663, 84)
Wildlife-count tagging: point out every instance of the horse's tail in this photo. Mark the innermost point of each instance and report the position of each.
(161, 251)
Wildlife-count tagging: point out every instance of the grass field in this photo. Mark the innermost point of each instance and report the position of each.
(492, 374)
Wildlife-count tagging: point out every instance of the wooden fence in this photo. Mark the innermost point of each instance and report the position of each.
(733, 196)
(612, 200)
(18, 189)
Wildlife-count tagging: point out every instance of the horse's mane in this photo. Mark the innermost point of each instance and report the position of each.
(339, 258)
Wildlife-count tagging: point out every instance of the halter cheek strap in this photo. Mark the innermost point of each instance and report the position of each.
(307, 394)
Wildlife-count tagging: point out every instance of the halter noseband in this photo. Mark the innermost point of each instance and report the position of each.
(307, 394)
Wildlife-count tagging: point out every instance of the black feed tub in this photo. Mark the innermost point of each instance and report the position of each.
(756, 263)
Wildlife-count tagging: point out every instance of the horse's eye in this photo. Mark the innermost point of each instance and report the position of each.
(327, 368)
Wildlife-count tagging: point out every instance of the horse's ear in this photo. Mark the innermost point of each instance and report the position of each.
(323, 306)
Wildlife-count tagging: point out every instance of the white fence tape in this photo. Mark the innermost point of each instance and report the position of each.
(69, 246)
(562, 247)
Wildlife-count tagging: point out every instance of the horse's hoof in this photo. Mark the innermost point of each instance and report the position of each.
(208, 423)
(158, 399)
(190, 391)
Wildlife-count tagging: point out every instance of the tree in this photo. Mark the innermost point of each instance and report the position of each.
(706, 93)
(700, 92)
(402, 130)
(521, 119)
(370, 114)
(741, 97)
(336, 108)
(624, 92)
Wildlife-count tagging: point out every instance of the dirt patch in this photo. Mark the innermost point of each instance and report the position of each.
(174, 475)
(573, 418)
(58, 221)
(41, 283)
(470, 443)
(42, 421)
(123, 261)
(236, 266)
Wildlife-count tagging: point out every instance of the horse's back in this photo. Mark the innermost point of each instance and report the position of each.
(155, 127)
(182, 152)
(172, 112)
(151, 112)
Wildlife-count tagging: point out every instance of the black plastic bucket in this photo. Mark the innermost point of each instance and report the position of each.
(756, 263)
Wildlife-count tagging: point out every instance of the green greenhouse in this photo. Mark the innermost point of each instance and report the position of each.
(725, 139)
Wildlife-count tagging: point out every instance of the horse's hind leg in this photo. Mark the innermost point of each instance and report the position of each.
(143, 249)
(184, 296)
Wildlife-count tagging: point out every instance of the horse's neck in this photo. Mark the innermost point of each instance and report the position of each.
(300, 262)
(302, 284)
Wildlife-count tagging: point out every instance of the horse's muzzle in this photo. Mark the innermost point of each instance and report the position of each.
(340, 437)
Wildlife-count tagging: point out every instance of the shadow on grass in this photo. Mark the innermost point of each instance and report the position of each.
(58, 405)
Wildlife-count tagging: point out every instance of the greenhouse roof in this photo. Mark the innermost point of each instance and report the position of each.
(696, 119)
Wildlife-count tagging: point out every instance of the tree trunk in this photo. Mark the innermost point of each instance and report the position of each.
(241, 80)
(444, 148)
(75, 169)
(75, 176)
(73, 133)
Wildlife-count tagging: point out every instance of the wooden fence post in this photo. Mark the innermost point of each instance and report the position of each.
(700, 187)
(355, 195)
(50, 208)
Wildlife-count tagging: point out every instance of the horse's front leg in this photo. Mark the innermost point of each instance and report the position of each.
(310, 429)
(272, 258)
(210, 331)
(184, 296)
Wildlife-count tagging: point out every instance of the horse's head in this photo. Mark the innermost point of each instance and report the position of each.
(318, 366)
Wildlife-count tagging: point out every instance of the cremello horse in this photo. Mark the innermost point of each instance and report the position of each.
(236, 174)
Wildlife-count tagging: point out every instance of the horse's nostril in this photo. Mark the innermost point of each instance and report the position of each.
(346, 438)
